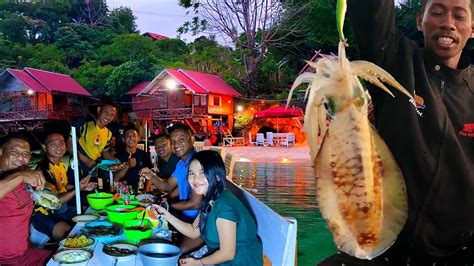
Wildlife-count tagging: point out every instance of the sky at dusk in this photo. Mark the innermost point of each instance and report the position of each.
(158, 16)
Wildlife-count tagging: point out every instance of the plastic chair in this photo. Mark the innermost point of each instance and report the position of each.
(251, 142)
(270, 139)
(260, 139)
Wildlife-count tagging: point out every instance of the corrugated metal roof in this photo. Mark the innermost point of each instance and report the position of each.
(138, 88)
(57, 82)
(28, 80)
(210, 83)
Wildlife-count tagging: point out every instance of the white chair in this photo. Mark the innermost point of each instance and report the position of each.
(229, 163)
(37, 239)
(251, 142)
(291, 139)
(260, 139)
(199, 145)
(270, 139)
(284, 141)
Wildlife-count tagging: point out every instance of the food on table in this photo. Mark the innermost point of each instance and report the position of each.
(78, 242)
(101, 230)
(138, 228)
(72, 256)
(360, 189)
(113, 250)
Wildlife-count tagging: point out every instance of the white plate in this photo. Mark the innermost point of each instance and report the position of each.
(122, 245)
(61, 244)
(85, 218)
(60, 257)
(153, 199)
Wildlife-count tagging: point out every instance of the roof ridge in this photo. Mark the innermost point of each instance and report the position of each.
(199, 84)
(42, 70)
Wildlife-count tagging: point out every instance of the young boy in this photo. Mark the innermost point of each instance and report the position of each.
(134, 158)
(56, 224)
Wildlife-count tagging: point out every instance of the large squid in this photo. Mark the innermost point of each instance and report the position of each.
(360, 189)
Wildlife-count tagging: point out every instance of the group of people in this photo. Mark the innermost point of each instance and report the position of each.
(193, 182)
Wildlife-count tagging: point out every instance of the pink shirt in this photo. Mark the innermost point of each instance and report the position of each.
(15, 213)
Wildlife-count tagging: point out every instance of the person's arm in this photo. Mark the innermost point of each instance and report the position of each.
(84, 184)
(88, 161)
(227, 231)
(120, 174)
(190, 204)
(373, 22)
(9, 182)
(190, 230)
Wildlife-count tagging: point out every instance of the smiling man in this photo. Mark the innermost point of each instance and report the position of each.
(93, 139)
(436, 158)
(177, 185)
(16, 204)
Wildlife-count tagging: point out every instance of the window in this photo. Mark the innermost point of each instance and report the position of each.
(203, 100)
(216, 101)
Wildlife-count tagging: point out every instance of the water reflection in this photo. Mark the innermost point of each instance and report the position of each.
(289, 189)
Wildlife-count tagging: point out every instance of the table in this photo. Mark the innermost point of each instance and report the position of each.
(99, 258)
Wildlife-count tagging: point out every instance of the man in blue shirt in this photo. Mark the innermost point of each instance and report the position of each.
(177, 185)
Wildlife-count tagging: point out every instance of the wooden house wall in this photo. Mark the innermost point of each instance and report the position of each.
(226, 105)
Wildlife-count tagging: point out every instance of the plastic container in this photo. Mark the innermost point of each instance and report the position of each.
(162, 254)
(133, 234)
(118, 213)
(100, 201)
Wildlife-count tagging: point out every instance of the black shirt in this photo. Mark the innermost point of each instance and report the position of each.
(143, 160)
(167, 167)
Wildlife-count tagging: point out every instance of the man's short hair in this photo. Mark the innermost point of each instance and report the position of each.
(424, 2)
(14, 136)
(130, 127)
(108, 101)
(161, 135)
(50, 132)
(180, 126)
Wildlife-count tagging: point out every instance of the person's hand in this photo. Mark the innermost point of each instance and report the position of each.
(90, 186)
(190, 261)
(132, 162)
(159, 211)
(34, 178)
(147, 173)
(88, 161)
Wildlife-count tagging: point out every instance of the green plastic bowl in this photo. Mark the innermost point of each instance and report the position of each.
(133, 201)
(133, 234)
(116, 216)
(99, 202)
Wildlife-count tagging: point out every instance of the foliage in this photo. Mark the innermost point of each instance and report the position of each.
(127, 75)
(122, 20)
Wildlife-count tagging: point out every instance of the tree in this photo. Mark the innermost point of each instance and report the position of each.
(251, 25)
(93, 77)
(127, 47)
(127, 75)
(122, 20)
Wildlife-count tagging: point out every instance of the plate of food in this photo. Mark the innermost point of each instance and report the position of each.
(101, 229)
(73, 257)
(85, 218)
(146, 199)
(110, 165)
(77, 242)
(119, 250)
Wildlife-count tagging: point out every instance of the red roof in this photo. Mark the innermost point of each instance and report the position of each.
(197, 82)
(26, 79)
(210, 83)
(187, 82)
(57, 82)
(138, 88)
(279, 111)
(155, 36)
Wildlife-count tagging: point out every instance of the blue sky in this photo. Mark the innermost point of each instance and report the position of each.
(158, 16)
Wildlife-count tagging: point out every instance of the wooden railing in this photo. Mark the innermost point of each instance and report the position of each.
(179, 113)
(27, 115)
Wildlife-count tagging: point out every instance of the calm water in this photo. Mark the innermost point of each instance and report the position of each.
(289, 189)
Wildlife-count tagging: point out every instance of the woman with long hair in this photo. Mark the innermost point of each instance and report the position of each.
(223, 223)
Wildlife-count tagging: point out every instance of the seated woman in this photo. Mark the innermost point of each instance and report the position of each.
(223, 223)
